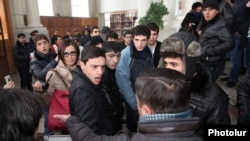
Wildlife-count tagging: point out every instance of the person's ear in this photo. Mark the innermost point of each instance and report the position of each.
(147, 109)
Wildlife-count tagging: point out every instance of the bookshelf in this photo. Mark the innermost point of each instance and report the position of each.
(121, 21)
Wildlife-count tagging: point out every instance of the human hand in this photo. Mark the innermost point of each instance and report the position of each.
(191, 24)
(62, 118)
(9, 84)
(37, 86)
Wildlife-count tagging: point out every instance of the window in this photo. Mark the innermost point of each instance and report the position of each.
(45, 8)
(80, 8)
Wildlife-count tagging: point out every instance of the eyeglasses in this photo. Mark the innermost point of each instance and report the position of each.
(72, 53)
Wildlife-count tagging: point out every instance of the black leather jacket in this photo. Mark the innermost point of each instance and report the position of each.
(87, 101)
(171, 130)
(243, 100)
(216, 40)
(114, 112)
(208, 100)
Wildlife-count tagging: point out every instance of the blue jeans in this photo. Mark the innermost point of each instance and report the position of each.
(247, 54)
(236, 60)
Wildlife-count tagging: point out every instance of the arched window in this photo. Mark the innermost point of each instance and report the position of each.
(45, 8)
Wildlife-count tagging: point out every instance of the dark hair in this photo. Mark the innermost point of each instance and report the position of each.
(196, 4)
(54, 39)
(141, 30)
(21, 35)
(112, 34)
(96, 40)
(111, 46)
(127, 32)
(40, 37)
(153, 26)
(92, 29)
(85, 30)
(64, 44)
(91, 52)
(164, 90)
(20, 113)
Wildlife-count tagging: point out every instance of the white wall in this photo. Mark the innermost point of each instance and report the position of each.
(116, 5)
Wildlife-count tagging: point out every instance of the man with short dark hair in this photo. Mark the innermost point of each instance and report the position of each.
(86, 99)
(111, 36)
(153, 44)
(127, 37)
(163, 103)
(115, 111)
(134, 59)
(21, 55)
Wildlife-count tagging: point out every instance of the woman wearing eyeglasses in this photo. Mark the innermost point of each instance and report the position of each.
(68, 55)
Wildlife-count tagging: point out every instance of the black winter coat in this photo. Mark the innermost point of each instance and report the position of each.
(172, 130)
(41, 64)
(115, 110)
(243, 100)
(208, 100)
(87, 101)
(21, 55)
(216, 40)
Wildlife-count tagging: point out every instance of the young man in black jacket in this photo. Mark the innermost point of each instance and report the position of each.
(163, 103)
(215, 39)
(21, 55)
(86, 97)
(208, 100)
(115, 109)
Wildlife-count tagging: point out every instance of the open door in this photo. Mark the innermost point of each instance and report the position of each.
(3, 58)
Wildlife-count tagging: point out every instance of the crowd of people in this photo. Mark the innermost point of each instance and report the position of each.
(154, 88)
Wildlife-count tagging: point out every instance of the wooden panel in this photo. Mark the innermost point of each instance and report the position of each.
(64, 23)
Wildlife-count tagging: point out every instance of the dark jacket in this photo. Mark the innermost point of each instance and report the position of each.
(191, 17)
(156, 55)
(172, 130)
(131, 63)
(41, 64)
(243, 100)
(21, 55)
(216, 40)
(208, 100)
(242, 16)
(86, 101)
(115, 110)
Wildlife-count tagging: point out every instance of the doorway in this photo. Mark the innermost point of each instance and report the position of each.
(3, 57)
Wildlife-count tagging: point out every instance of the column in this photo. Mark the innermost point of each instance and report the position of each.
(143, 6)
(33, 18)
(18, 13)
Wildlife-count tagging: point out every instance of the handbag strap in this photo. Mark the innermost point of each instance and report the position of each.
(61, 78)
